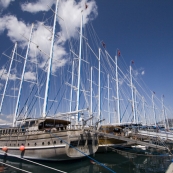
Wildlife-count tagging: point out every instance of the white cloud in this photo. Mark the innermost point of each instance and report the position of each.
(14, 33)
(143, 72)
(138, 72)
(73, 9)
(5, 3)
(30, 76)
(3, 121)
(3, 73)
(1, 86)
(70, 11)
(15, 89)
(40, 5)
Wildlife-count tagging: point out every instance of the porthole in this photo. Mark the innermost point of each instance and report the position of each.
(42, 143)
(48, 143)
(18, 144)
(28, 144)
(54, 142)
(35, 144)
(61, 141)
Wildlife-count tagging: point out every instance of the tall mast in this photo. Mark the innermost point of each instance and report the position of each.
(79, 69)
(137, 118)
(117, 90)
(154, 109)
(91, 94)
(8, 75)
(143, 101)
(109, 102)
(22, 77)
(71, 92)
(50, 63)
(164, 116)
(99, 114)
(133, 105)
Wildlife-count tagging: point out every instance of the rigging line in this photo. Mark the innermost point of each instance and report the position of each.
(101, 164)
(125, 111)
(29, 97)
(118, 66)
(41, 76)
(14, 167)
(34, 162)
(57, 95)
(3, 72)
(34, 100)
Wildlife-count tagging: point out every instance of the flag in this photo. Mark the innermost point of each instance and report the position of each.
(103, 44)
(119, 53)
(86, 6)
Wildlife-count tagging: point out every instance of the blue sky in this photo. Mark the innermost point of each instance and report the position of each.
(142, 30)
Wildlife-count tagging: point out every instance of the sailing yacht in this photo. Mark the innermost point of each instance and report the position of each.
(46, 138)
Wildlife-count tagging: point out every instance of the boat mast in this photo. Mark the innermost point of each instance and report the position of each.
(50, 63)
(71, 91)
(22, 77)
(109, 115)
(133, 105)
(143, 101)
(8, 75)
(79, 70)
(91, 95)
(154, 109)
(137, 118)
(99, 113)
(165, 118)
(117, 90)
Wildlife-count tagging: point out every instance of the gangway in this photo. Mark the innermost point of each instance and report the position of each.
(133, 141)
(161, 135)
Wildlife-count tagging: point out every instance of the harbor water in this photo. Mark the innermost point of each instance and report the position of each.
(119, 162)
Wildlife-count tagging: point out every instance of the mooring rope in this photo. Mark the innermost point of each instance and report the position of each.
(14, 167)
(34, 162)
(101, 164)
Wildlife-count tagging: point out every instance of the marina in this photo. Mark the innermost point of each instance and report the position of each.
(68, 103)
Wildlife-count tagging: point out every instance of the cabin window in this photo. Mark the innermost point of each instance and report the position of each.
(28, 144)
(61, 141)
(82, 142)
(73, 144)
(96, 142)
(35, 144)
(54, 142)
(89, 142)
(48, 143)
(42, 143)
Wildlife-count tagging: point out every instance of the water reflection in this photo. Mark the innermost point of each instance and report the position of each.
(119, 161)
